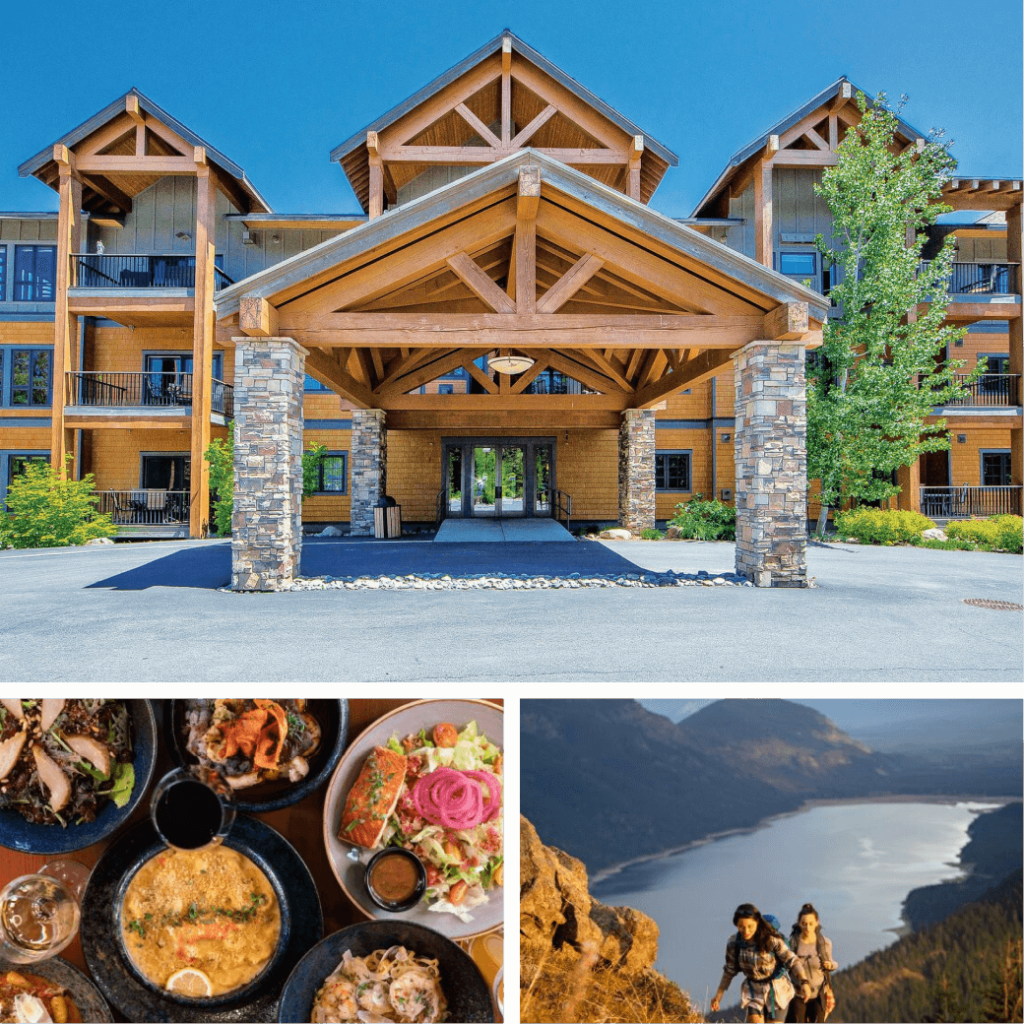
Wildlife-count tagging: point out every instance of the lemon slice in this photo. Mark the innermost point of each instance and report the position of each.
(191, 983)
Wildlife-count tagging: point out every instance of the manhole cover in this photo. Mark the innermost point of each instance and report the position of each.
(999, 606)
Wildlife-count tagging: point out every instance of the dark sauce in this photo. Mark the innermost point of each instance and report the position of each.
(189, 815)
(396, 879)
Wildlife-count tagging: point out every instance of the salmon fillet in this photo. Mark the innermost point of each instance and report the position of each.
(372, 799)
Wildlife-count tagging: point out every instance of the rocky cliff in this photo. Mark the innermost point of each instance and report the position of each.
(581, 960)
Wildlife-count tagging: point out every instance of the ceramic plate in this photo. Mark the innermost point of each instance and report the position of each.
(272, 796)
(411, 718)
(301, 927)
(469, 999)
(18, 834)
(90, 1003)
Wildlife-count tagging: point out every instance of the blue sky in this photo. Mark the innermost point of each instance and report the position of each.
(275, 85)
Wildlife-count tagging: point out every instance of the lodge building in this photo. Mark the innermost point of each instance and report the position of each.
(507, 328)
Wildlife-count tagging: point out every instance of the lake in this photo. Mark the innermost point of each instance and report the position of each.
(854, 862)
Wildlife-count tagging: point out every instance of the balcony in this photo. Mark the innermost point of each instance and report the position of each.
(146, 512)
(967, 502)
(970, 279)
(141, 270)
(989, 390)
(151, 394)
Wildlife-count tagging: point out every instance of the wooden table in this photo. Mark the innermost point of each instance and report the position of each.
(301, 824)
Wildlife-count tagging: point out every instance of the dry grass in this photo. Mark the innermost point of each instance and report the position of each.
(564, 988)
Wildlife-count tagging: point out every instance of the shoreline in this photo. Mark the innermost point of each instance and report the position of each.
(711, 837)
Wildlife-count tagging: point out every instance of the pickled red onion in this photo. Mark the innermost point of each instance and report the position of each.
(450, 798)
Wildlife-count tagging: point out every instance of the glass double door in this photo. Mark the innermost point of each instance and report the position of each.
(498, 477)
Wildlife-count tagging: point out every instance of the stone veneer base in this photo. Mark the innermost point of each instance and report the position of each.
(636, 470)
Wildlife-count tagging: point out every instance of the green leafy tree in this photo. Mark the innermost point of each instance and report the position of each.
(45, 510)
(312, 459)
(880, 372)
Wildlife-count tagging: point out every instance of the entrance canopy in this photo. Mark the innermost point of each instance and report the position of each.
(526, 257)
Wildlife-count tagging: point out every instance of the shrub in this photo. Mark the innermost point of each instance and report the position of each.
(44, 511)
(312, 459)
(881, 526)
(220, 454)
(705, 520)
(1002, 532)
(651, 534)
(944, 545)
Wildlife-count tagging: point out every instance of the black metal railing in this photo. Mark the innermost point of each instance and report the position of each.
(120, 390)
(561, 507)
(965, 502)
(145, 507)
(967, 279)
(141, 270)
(1001, 389)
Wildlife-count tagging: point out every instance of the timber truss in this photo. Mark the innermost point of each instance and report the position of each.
(526, 257)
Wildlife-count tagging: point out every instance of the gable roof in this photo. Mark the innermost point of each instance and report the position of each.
(755, 145)
(43, 166)
(291, 273)
(494, 46)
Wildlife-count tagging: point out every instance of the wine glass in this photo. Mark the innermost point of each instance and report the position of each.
(191, 812)
(39, 917)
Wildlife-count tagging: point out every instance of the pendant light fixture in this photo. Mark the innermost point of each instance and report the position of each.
(506, 362)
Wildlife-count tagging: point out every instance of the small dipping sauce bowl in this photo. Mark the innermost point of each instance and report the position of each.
(396, 880)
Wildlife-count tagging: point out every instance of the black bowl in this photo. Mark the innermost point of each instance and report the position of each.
(18, 834)
(468, 995)
(85, 994)
(272, 796)
(397, 906)
(138, 998)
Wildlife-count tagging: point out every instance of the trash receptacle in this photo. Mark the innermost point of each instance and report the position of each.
(387, 518)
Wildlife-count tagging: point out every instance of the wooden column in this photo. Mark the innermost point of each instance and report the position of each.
(526, 240)
(1014, 248)
(203, 329)
(636, 152)
(65, 325)
(909, 479)
(506, 92)
(763, 213)
(376, 176)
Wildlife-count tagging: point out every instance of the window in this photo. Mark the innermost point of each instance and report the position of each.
(446, 389)
(35, 272)
(312, 384)
(801, 266)
(672, 471)
(3, 272)
(333, 474)
(995, 468)
(31, 376)
(995, 363)
(16, 464)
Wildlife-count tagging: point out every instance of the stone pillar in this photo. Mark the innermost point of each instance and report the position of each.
(771, 464)
(266, 526)
(636, 470)
(369, 468)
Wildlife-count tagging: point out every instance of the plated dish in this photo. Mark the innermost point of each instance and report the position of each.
(271, 752)
(57, 985)
(386, 971)
(121, 892)
(71, 771)
(426, 778)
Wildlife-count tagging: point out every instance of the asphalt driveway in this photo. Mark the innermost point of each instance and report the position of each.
(152, 612)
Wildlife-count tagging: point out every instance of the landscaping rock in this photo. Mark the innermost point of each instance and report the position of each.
(935, 534)
(330, 531)
(674, 533)
(616, 534)
(96, 541)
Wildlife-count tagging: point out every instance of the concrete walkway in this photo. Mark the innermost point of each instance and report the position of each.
(497, 531)
(131, 613)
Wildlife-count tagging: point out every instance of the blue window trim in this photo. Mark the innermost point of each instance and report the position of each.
(7, 376)
(5, 465)
(180, 353)
(982, 452)
(313, 386)
(333, 454)
(33, 285)
(3, 273)
(688, 452)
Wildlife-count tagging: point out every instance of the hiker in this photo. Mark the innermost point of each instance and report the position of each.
(815, 953)
(760, 953)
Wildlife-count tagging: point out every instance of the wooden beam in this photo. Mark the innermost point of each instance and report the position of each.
(478, 126)
(610, 367)
(365, 364)
(804, 158)
(564, 330)
(257, 317)
(833, 131)
(162, 165)
(376, 166)
(378, 363)
(204, 326)
(526, 379)
(842, 97)
(104, 136)
(456, 404)
(229, 186)
(126, 422)
(326, 369)
(818, 141)
(585, 375)
(763, 213)
(407, 363)
(506, 92)
(131, 108)
(525, 243)
(786, 322)
(428, 372)
(479, 376)
(110, 192)
(480, 284)
(512, 420)
(531, 129)
(696, 371)
(636, 152)
(570, 283)
(473, 155)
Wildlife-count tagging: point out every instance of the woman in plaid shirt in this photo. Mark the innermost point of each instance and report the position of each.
(760, 954)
